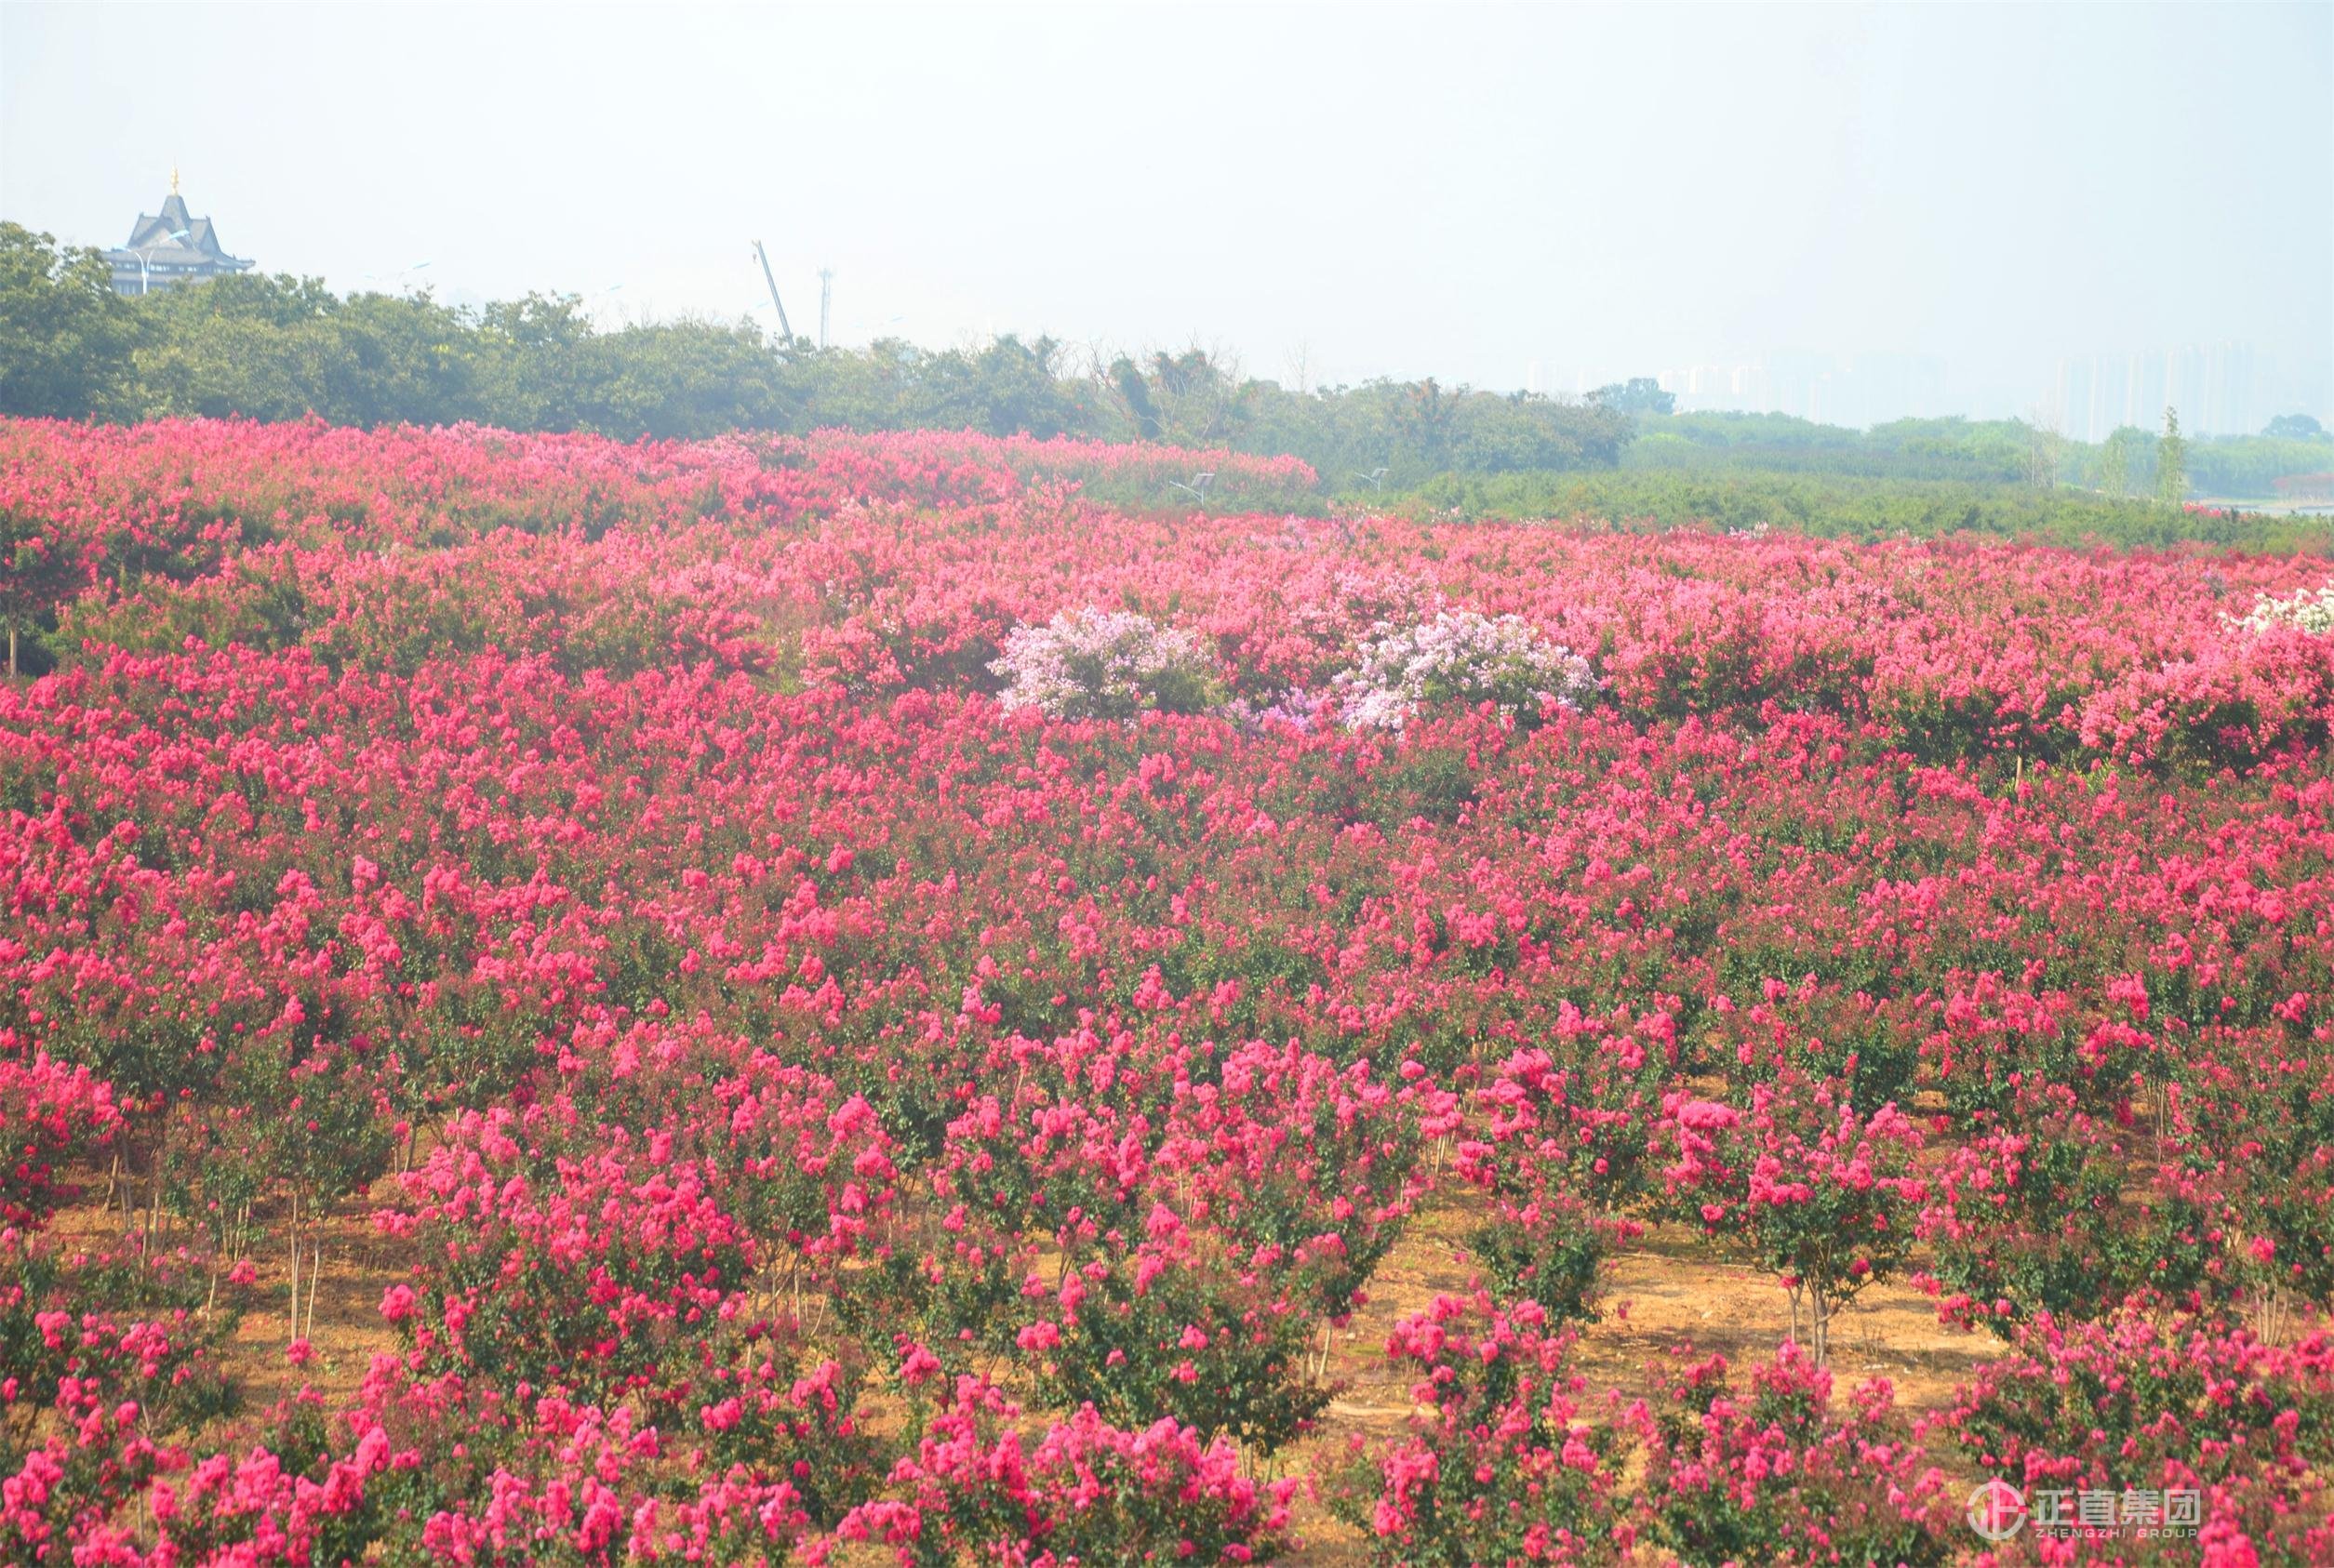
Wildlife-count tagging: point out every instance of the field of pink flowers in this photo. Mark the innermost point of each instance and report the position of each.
(864, 1003)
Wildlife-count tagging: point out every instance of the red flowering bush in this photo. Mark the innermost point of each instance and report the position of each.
(1775, 1474)
(976, 1491)
(1813, 1191)
(108, 1362)
(1564, 1157)
(49, 1114)
(1501, 1466)
(1196, 1232)
(565, 1270)
(2184, 1405)
(636, 851)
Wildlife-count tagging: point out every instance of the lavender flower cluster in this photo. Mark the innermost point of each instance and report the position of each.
(1294, 709)
(1115, 664)
(1106, 664)
(1459, 656)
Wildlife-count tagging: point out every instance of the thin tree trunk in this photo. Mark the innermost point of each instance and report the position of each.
(295, 1322)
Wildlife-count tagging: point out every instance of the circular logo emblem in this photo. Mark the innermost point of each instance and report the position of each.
(1998, 1510)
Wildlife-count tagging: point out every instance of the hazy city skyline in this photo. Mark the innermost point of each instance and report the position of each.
(1704, 193)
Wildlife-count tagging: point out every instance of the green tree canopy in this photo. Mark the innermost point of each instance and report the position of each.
(1639, 394)
(68, 337)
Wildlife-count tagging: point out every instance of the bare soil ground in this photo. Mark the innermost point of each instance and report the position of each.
(1662, 1292)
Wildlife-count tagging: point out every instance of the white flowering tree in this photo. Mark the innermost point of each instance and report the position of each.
(1106, 664)
(1459, 657)
(2305, 610)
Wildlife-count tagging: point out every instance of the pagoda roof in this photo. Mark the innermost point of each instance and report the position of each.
(154, 237)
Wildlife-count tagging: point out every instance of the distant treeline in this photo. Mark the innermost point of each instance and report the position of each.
(1979, 451)
(282, 348)
(1858, 506)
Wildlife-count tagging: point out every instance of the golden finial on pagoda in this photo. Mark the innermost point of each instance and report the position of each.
(174, 176)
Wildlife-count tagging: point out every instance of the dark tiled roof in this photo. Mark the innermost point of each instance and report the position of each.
(153, 231)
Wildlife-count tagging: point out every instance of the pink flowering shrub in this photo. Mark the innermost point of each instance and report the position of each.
(1463, 657)
(1563, 1157)
(1774, 1474)
(1803, 1184)
(1501, 1466)
(50, 1113)
(577, 1270)
(1105, 664)
(2229, 706)
(2048, 1215)
(2181, 1404)
(107, 1367)
(434, 1469)
(1195, 1239)
(254, 1508)
(975, 1490)
(59, 1496)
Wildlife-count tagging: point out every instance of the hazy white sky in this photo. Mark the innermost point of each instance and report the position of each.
(1401, 191)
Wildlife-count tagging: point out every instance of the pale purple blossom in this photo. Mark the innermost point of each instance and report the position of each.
(1294, 709)
(1105, 664)
(1458, 656)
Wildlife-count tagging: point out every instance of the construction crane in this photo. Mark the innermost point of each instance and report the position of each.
(785, 329)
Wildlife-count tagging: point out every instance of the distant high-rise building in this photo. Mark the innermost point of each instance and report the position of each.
(2091, 397)
(2227, 406)
(2143, 391)
(2183, 384)
(1791, 383)
(2105, 407)
(170, 247)
(2213, 385)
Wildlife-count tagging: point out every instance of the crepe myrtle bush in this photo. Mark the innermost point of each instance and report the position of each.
(977, 1489)
(1562, 1155)
(2158, 1404)
(2305, 610)
(51, 1113)
(1461, 657)
(1106, 664)
(1778, 1473)
(1802, 1184)
(1501, 1463)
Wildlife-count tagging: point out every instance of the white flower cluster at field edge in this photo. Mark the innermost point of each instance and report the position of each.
(2305, 610)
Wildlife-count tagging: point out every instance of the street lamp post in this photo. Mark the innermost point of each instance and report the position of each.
(144, 283)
